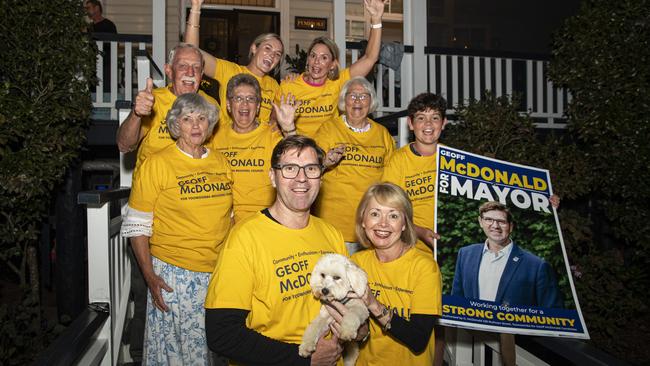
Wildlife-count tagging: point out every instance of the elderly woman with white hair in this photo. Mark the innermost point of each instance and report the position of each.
(178, 214)
(358, 148)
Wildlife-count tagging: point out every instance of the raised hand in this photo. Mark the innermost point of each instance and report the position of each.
(375, 8)
(285, 113)
(144, 100)
(196, 4)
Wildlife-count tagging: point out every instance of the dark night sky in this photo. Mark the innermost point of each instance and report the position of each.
(505, 25)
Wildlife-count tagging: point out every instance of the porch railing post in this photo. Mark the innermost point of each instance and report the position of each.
(339, 28)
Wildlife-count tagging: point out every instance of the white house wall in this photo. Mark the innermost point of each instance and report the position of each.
(134, 17)
(307, 8)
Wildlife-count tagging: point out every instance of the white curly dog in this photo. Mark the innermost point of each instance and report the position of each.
(333, 278)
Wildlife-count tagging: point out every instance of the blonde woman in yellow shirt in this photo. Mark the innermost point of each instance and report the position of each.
(404, 295)
(265, 56)
(317, 89)
(177, 217)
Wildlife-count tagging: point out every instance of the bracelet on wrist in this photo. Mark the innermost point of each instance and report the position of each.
(193, 25)
(195, 11)
(384, 312)
(289, 131)
(387, 325)
(376, 26)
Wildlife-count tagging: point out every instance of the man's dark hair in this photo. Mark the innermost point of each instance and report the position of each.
(296, 142)
(495, 206)
(425, 101)
(96, 3)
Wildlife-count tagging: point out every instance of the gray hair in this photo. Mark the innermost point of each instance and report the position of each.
(359, 80)
(263, 38)
(180, 46)
(188, 103)
(243, 79)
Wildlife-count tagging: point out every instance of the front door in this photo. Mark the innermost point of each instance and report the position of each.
(228, 34)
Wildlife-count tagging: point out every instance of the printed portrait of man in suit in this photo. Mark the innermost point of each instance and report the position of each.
(499, 270)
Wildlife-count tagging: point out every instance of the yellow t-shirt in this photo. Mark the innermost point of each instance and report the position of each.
(408, 285)
(153, 128)
(416, 175)
(362, 165)
(265, 268)
(191, 201)
(319, 103)
(225, 70)
(249, 155)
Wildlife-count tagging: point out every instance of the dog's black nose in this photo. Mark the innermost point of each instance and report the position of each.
(325, 291)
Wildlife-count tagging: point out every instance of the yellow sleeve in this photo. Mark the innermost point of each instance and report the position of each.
(323, 137)
(146, 187)
(427, 295)
(392, 171)
(233, 280)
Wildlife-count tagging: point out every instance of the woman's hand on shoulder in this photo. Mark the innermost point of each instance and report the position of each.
(334, 156)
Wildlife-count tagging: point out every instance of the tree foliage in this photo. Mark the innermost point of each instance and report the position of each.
(47, 63)
(602, 55)
(44, 109)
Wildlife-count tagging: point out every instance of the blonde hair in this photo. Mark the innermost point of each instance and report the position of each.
(261, 39)
(334, 50)
(391, 195)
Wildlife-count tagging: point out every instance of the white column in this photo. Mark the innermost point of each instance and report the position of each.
(158, 32)
(338, 22)
(415, 33)
(285, 25)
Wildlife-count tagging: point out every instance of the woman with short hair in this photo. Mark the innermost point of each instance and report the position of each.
(358, 148)
(177, 218)
(247, 144)
(404, 295)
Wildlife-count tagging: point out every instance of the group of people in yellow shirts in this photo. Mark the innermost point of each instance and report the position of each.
(234, 201)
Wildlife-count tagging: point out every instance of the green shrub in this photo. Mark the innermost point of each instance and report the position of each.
(602, 55)
(47, 64)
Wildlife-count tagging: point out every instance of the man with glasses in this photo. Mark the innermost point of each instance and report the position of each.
(259, 300)
(499, 270)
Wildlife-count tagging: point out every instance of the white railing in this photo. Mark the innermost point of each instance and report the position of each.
(461, 78)
(109, 272)
(123, 49)
(465, 348)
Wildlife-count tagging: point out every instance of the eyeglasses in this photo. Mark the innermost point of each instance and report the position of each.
(361, 97)
(239, 99)
(290, 171)
(489, 221)
(186, 67)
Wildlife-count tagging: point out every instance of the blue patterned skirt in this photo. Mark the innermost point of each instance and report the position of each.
(177, 337)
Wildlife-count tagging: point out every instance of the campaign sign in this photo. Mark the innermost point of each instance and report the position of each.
(501, 253)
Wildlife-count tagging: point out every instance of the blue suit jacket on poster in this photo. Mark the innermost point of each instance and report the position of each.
(526, 279)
